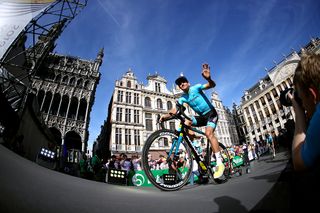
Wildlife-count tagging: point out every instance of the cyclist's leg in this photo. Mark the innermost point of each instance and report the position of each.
(190, 133)
(215, 147)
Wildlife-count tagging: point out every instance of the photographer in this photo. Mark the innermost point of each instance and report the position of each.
(306, 140)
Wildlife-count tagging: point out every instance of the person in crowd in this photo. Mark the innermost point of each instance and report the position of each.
(174, 167)
(245, 154)
(305, 150)
(96, 162)
(207, 115)
(125, 163)
(270, 142)
(151, 162)
(306, 139)
(83, 166)
(112, 162)
(136, 161)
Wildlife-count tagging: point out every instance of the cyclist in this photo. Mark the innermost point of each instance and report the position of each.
(207, 115)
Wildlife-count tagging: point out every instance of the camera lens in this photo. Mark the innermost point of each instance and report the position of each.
(284, 98)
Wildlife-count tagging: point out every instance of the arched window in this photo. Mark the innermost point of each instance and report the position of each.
(147, 102)
(47, 100)
(72, 81)
(129, 84)
(55, 104)
(82, 109)
(64, 106)
(169, 105)
(86, 85)
(40, 98)
(65, 79)
(80, 82)
(58, 78)
(159, 103)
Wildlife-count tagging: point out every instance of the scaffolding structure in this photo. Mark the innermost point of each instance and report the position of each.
(24, 57)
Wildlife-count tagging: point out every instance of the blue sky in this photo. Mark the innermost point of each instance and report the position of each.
(239, 39)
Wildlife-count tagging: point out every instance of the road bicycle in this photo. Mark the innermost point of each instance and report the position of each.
(174, 147)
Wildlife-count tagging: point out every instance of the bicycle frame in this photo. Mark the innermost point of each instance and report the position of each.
(183, 135)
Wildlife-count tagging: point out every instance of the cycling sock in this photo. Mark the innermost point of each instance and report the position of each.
(218, 157)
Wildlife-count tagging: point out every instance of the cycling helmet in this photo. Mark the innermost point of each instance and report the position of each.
(180, 80)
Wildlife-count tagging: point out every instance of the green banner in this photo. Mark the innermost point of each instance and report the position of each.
(139, 178)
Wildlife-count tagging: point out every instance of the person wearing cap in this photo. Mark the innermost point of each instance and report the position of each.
(206, 113)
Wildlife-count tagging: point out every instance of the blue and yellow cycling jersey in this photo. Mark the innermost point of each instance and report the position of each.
(197, 100)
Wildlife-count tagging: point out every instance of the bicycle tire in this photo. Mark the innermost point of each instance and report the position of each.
(152, 147)
(227, 163)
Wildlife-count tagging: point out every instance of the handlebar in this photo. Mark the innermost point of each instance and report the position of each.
(180, 114)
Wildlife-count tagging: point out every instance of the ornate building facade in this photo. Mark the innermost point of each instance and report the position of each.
(260, 106)
(226, 130)
(65, 89)
(134, 111)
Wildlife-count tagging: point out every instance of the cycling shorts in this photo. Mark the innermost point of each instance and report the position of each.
(208, 119)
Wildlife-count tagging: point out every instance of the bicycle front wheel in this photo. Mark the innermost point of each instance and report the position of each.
(166, 162)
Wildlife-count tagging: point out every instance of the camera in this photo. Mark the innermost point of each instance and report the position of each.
(284, 98)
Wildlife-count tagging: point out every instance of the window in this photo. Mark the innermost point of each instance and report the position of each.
(148, 121)
(118, 136)
(279, 88)
(284, 85)
(128, 136)
(274, 92)
(136, 137)
(262, 101)
(169, 105)
(87, 85)
(129, 84)
(257, 104)
(172, 125)
(159, 103)
(157, 86)
(268, 97)
(136, 116)
(247, 111)
(279, 104)
(267, 112)
(120, 96)
(147, 102)
(58, 78)
(65, 79)
(273, 108)
(119, 114)
(260, 115)
(136, 98)
(165, 142)
(128, 116)
(79, 83)
(72, 81)
(128, 97)
(252, 108)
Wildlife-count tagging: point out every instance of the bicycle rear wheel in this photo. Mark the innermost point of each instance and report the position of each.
(160, 156)
(211, 160)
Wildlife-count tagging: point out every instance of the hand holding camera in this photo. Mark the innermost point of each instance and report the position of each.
(288, 95)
